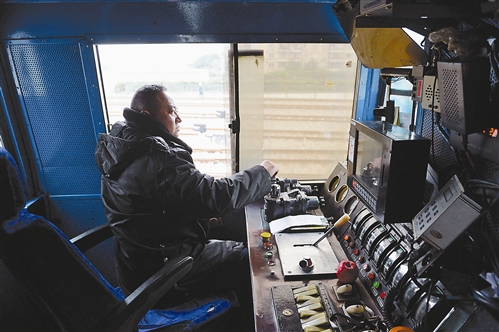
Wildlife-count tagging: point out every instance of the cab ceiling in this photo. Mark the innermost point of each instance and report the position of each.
(173, 22)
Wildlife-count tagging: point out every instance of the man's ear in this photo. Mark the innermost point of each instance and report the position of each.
(145, 112)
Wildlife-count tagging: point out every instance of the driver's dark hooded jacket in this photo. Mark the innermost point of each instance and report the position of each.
(156, 201)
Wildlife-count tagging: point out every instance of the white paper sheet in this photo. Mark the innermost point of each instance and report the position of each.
(300, 221)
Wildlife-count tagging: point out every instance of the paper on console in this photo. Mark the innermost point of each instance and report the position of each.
(303, 221)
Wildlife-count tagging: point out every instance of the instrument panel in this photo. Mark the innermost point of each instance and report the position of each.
(401, 273)
(400, 280)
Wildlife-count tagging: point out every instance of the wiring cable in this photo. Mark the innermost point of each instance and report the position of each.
(472, 168)
(393, 292)
(486, 190)
(370, 323)
(427, 305)
(489, 193)
(386, 310)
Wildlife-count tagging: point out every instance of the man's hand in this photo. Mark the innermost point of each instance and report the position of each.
(270, 167)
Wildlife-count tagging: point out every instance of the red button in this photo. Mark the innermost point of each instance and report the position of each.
(268, 245)
(356, 251)
(382, 295)
(370, 276)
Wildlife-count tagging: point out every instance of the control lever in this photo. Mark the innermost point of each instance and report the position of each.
(340, 222)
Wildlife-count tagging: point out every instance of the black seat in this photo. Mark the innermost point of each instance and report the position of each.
(60, 280)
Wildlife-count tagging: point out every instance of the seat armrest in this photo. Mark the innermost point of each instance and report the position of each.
(92, 237)
(128, 314)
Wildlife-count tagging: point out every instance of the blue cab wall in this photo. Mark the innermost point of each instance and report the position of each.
(50, 73)
(51, 104)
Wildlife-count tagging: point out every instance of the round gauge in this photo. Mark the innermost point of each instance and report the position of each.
(396, 255)
(351, 204)
(366, 227)
(342, 193)
(374, 236)
(360, 218)
(335, 181)
(399, 273)
(382, 249)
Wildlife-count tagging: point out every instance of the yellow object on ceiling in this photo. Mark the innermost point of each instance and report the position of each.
(386, 48)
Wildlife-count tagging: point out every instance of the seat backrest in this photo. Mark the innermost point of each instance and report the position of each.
(55, 274)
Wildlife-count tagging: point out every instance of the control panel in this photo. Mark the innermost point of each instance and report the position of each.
(400, 277)
(380, 252)
(445, 217)
(401, 265)
(297, 260)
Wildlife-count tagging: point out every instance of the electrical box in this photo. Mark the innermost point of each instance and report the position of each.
(446, 216)
(430, 99)
(465, 89)
(417, 83)
(425, 88)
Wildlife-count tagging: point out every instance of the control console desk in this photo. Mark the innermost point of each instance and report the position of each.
(280, 298)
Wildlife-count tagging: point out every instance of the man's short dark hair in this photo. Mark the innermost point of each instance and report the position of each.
(146, 98)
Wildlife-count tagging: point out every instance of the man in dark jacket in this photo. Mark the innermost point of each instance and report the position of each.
(158, 203)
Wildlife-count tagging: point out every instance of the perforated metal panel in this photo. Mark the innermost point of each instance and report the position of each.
(441, 153)
(450, 87)
(464, 88)
(51, 83)
(443, 156)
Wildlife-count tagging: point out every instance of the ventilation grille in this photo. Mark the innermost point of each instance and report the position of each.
(52, 87)
(449, 81)
(441, 153)
(464, 92)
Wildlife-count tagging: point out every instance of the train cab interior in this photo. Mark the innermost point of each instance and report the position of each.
(382, 116)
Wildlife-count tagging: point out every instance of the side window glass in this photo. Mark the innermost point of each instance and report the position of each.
(196, 78)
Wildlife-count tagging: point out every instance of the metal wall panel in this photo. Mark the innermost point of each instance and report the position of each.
(54, 88)
(175, 21)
